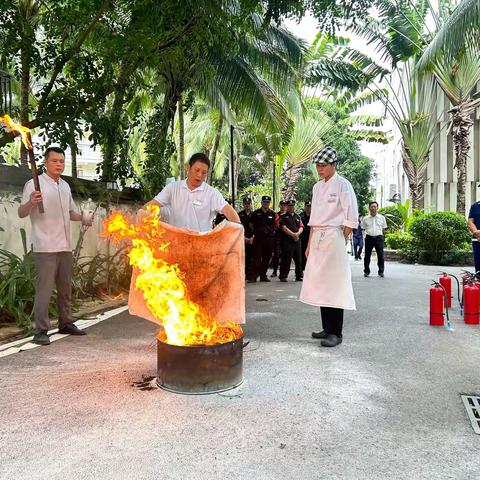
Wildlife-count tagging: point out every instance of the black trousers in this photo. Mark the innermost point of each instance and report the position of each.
(332, 320)
(277, 252)
(291, 250)
(357, 248)
(370, 244)
(304, 242)
(476, 255)
(263, 249)
(249, 262)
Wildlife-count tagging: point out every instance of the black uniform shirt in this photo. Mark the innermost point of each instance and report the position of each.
(246, 218)
(292, 221)
(264, 223)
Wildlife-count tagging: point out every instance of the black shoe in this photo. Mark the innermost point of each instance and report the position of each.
(380, 275)
(264, 279)
(283, 279)
(274, 274)
(321, 334)
(366, 274)
(41, 339)
(331, 341)
(71, 329)
(251, 280)
(299, 279)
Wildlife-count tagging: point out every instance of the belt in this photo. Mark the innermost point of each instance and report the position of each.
(374, 236)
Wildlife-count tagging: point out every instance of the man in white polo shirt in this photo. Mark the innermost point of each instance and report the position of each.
(51, 245)
(192, 203)
(373, 224)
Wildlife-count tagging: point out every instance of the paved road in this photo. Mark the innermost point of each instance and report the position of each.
(384, 405)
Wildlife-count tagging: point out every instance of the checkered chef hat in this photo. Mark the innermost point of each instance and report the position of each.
(326, 155)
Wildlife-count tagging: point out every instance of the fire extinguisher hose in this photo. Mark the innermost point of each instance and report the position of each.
(449, 324)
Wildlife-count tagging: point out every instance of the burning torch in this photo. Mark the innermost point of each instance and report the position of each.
(24, 133)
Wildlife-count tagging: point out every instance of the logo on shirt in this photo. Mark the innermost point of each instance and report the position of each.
(332, 197)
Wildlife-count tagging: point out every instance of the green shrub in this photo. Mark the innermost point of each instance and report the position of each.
(398, 240)
(435, 234)
(17, 286)
(458, 256)
(393, 217)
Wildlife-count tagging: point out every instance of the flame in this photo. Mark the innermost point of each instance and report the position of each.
(17, 128)
(162, 284)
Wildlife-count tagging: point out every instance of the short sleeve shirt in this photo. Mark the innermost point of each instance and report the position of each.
(51, 230)
(475, 214)
(374, 226)
(194, 209)
(292, 222)
(264, 223)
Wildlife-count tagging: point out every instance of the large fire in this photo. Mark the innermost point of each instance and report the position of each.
(17, 128)
(162, 284)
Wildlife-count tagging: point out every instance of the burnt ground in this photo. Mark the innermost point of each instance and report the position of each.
(384, 404)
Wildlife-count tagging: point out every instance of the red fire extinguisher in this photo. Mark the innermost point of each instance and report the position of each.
(471, 303)
(446, 282)
(437, 305)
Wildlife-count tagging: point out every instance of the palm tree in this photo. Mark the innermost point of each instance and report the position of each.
(308, 137)
(403, 34)
(412, 106)
(461, 28)
(458, 79)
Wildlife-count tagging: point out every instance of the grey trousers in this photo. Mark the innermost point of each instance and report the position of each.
(52, 268)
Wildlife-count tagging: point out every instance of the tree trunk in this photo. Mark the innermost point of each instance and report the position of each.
(181, 137)
(415, 176)
(461, 123)
(237, 166)
(160, 146)
(214, 151)
(292, 175)
(73, 151)
(112, 137)
(24, 92)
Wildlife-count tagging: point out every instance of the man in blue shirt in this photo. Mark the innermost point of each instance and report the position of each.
(474, 227)
(357, 235)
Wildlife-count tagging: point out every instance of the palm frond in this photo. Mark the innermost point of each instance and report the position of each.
(458, 78)
(460, 29)
(308, 137)
(365, 120)
(365, 98)
(373, 136)
(249, 93)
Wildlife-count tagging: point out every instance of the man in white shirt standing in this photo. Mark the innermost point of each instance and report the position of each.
(327, 281)
(373, 224)
(51, 245)
(192, 203)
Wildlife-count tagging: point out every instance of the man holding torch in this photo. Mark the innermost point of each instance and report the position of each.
(51, 244)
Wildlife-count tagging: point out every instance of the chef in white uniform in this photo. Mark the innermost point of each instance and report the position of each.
(327, 281)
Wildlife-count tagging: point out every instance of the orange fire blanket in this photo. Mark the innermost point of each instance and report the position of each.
(214, 268)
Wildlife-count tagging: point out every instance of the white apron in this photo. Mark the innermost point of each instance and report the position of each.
(327, 280)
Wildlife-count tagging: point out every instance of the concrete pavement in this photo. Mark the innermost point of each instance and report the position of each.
(384, 405)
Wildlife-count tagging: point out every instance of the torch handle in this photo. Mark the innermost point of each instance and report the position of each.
(36, 182)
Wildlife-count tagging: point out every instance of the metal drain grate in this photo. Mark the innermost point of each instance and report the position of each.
(472, 405)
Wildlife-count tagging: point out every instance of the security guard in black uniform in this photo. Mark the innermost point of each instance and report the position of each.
(277, 248)
(246, 217)
(264, 221)
(305, 217)
(291, 227)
